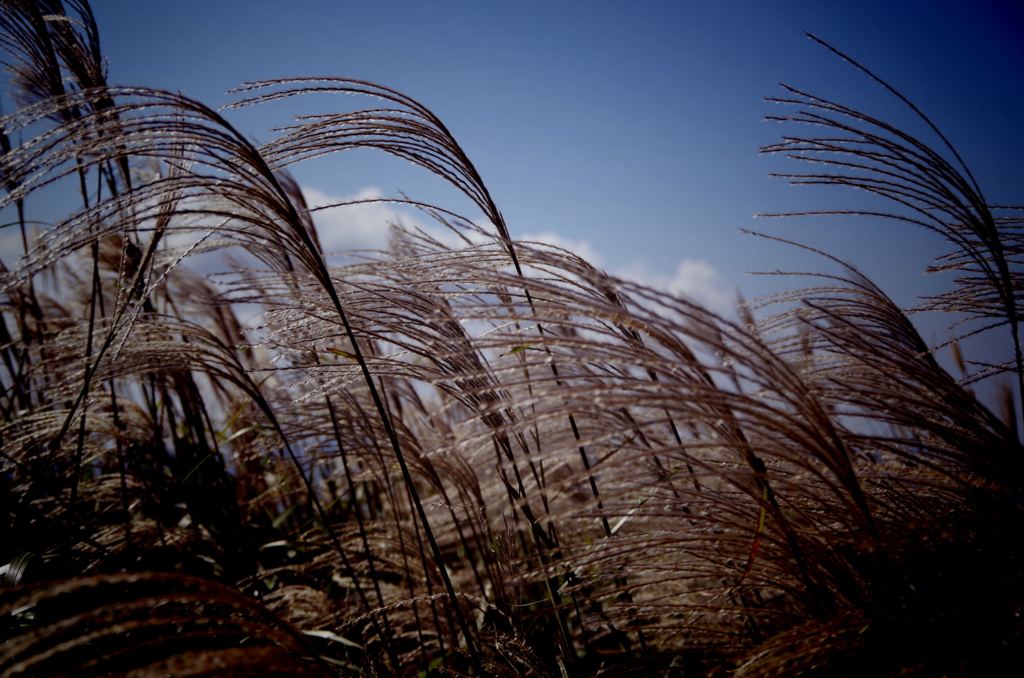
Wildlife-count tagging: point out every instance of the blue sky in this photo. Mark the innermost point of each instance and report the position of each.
(629, 129)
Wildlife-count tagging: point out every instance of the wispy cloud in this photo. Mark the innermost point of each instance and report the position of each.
(10, 245)
(702, 281)
(363, 226)
(366, 227)
(581, 248)
(694, 279)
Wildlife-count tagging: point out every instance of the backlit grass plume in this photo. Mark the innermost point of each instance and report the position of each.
(475, 456)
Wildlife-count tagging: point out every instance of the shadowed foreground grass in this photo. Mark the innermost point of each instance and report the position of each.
(477, 456)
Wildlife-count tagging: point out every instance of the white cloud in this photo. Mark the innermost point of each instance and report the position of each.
(353, 227)
(10, 246)
(366, 226)
(581, 248)
(693, 279)
(700, 281)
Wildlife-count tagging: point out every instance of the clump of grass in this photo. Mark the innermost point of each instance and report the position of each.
(488, 459)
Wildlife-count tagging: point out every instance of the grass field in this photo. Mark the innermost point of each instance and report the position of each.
(479, 456)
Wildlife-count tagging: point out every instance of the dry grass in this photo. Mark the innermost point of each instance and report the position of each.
(490, 459)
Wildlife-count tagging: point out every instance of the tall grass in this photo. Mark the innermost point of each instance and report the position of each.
(486, 459)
